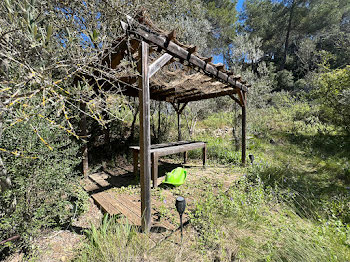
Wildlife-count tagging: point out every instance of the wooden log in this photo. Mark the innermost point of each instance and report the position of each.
(145, 141)
(179, 52)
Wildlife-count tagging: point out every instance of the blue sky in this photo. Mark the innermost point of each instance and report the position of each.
(239, 5)
(219, 58)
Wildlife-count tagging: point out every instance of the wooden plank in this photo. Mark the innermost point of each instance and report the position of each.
(164, 145)
(158, 64)
(112, 206)
(99, 180)
(178, 149)
(181, 145)
(166, 224)
(145, 141)
(177, 51)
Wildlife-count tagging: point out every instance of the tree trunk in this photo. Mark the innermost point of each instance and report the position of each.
(286, 43)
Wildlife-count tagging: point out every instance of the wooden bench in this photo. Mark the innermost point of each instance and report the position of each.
(158, 150)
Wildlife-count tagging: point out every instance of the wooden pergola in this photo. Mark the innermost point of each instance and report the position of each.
(167, 70)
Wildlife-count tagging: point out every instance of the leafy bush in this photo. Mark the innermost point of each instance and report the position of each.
(334, 96)
(43, 171)
(285, 80)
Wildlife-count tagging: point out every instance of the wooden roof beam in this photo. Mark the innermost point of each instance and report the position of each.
(177, 51)
(206, 96)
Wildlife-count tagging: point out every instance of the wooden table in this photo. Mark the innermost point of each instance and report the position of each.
(158, 150)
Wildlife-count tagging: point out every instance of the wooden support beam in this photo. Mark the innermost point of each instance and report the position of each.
(145, 140)
(178, 126)
(178, 108)
(244, 134)
(179, 52)
(178, 95)
(182, 107)
(235, 99)
(156, 65)
(241, 98)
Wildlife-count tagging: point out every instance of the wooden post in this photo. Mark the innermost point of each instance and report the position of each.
(83, 133)
(145, 140)
(178, 125)
(204, 155)
(179, 110)
(158, 135)
(155, 170)
(244, 125)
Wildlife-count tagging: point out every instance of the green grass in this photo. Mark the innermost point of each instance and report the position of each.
(260, 222)
(114, 240)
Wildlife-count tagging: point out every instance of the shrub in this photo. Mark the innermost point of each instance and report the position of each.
(45, 190)
(334, 96)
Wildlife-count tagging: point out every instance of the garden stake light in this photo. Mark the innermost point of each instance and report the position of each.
(251, 157)
(180, 207)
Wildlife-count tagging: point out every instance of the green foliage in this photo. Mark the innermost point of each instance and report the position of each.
(334, 96)
(258, 220)
(285, 80)
(45, 188)
(113, 241)
(222, 16)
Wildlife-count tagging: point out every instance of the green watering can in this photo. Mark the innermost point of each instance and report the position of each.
(176, 177)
